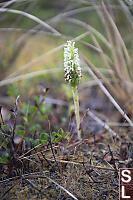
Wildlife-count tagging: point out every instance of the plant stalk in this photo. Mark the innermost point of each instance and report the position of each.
(76, 105)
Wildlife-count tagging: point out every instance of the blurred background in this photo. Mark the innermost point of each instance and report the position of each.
(32, 35)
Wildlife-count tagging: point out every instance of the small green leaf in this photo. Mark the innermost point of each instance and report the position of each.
(4, 127)
(20, 132)
(34, 142)
(42, 108)
(70, 110)
(32, 109)
(53, 136)
(66, 134)
(44, 138)
(4, 144)
(26, 119)
(64, 119)
(13, 91)
(19, 126)
(37, 99)
(1, 136)
(57, 139)
(4, 159)
(33, 128)
(25, 108)
(44, 117)
(44, 141)
(61, 132)
(53, 133)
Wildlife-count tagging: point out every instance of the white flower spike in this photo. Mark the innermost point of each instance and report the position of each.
(73, 75)
(71, 64)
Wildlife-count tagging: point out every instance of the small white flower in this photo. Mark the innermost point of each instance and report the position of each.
(72, 63)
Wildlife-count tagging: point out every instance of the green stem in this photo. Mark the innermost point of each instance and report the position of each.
(76, 105)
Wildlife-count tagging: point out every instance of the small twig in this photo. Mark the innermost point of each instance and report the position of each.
(49, 163)
(81, 164)
(88, 172)
(104, 124)
(22, 156)
(51, 145)
(61, 187)
(15, 115)
(32, 184)
(112, 158)
(37, 153)
(50, 142)
(2, 196)
(1, 115)
(39, 145)
(17, 177)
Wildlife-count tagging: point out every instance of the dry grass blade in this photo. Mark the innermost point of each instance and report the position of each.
(122, 61)
(32, 184)
(54, 50)
(91, 46)
(57, 184)
(34, 30)
(62, 188)
(100, 76)
(5, 193)
(89, 28)
(28, 76)
(34, 18)
(96, 49)
(109, 65)
(89, 66)
(122, 64)
(34, 61)
(104, 56)
(12, 79)
(105, 125)
(8, 3)
(127, 12)
(113, 50)
(76, 11)
(129, 16)
(81, 164)
(108, 16)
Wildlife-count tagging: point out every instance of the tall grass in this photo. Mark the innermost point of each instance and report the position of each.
(117, 59)
(111, 47)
